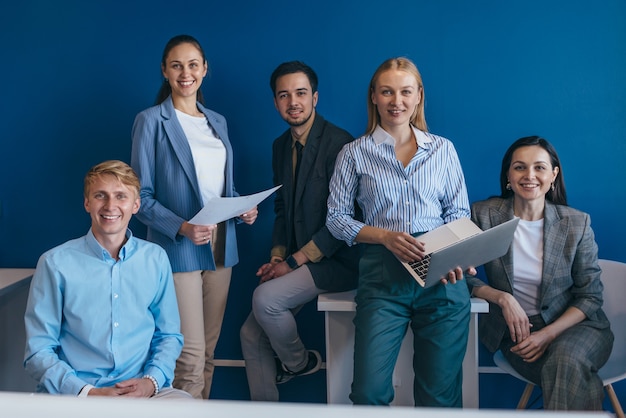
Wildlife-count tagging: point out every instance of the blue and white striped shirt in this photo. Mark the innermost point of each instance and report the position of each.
(427, 193)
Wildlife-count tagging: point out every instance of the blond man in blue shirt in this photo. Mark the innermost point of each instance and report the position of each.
(102, 317)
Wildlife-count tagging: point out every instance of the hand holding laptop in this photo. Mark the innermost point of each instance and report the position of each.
(403, 245)
(409, 249)
(457, 274)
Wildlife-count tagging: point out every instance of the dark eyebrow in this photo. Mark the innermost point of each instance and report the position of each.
(178, 61)
(287, 91)
(535, 162)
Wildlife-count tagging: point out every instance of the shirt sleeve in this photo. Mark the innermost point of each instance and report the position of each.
(455, 204)
(279, 251)
(42, 320)
(343, 188)
(312, 252)
(167, 341)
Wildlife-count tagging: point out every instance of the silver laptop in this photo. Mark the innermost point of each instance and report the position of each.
(459, 244)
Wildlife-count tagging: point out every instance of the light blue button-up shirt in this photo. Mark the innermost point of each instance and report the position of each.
(427, 193)
(91, 319)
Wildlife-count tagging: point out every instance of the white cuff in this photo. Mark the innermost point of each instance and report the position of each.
(84, 392)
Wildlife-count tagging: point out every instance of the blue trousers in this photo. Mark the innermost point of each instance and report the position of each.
(388, 301)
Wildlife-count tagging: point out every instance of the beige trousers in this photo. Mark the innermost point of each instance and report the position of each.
(171, 393)
(201, 296)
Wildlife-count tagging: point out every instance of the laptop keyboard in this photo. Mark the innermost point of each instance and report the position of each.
(421, 267)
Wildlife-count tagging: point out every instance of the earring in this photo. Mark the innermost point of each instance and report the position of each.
(508, 186)
(166, 80)
(552, 186)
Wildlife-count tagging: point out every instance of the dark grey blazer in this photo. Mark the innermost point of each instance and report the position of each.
(571, 275)
(304, 217)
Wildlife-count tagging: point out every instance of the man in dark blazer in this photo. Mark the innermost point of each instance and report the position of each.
(306, 259)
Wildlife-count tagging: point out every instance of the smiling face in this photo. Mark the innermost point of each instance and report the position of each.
(531, 173)
(111, 204)
(396, 95)
(294, 98)
(184, 68)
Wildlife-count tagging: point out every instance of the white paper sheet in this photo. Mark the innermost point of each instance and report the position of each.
(220, 209)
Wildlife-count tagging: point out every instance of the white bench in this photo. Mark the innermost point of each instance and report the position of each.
(339, 309)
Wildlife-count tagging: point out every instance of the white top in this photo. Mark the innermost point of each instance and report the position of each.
(209, 155)
(528, 264)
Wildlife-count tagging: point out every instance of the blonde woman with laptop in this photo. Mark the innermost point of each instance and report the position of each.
(406, 181)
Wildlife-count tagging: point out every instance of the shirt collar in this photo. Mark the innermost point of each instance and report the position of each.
(303, 138)
(305, 135)
(103, 254)
(381, 136)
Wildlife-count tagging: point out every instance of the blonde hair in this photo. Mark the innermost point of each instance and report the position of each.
(118, 169)
(418, 119)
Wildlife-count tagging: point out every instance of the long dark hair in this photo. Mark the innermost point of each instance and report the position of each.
(555, 195)
(166, 89)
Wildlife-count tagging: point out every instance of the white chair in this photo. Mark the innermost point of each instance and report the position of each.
(614, 280)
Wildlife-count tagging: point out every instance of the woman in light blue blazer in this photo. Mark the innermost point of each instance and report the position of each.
(183, 157)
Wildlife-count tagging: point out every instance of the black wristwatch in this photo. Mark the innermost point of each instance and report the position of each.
(291, 262)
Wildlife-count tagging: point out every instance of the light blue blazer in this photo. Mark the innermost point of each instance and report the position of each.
(170, 194)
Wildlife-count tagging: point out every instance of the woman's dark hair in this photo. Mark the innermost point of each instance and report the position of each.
(166, 89)
(556, 194)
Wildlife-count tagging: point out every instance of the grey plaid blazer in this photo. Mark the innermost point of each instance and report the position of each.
(571, 275)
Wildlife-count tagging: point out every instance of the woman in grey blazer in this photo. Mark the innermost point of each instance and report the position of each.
(183, 157)
(545, 294)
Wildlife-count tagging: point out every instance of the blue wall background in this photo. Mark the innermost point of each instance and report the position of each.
(76, 73)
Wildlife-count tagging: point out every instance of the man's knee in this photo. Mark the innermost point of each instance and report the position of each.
(264, 302)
